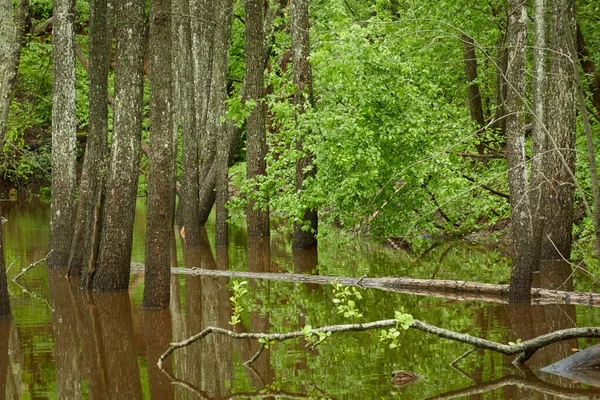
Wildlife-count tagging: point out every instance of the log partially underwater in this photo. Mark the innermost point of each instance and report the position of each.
(447, 289)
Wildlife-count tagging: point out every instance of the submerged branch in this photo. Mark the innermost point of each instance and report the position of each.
(524, 350)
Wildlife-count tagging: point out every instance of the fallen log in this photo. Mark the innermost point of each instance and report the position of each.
(448, 289)
(583, 366)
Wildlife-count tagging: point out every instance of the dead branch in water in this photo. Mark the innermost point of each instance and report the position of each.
(524, 350)
(448, 289)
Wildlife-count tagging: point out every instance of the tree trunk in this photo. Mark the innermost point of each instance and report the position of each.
(64, 130)
(188, 109)
(589, 68)
(256, 134)
(561, 124)
(216, 110)
(303, 238)
(161, 197)
(12, 29)
(473, 95)
(540, 142)
(4, 302)
(522, 260)
(121, 191)
(94, 165)
(207, 42)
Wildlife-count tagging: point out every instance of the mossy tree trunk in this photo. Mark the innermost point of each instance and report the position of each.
(12, 28)
(119, 208)
(64, 130)
(522, 260)
(161, 197)
(256, 133)
(94, 165)
(303, 238)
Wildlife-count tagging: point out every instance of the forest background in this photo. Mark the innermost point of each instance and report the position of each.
(406, 137)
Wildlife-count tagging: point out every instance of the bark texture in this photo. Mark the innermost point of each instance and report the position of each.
(121, 191)
(207, 42)
(522, 260)
(188, 109)
(256, 133)
(540, 142)
(561, 124)
(216, 110)
(303, 238)
(12, 29)
(64, 130)
(4, 302)
(161, 196)
(94, 165)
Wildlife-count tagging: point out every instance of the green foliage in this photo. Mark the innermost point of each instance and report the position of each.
(344, 299)
(239, 290)
(403, 322)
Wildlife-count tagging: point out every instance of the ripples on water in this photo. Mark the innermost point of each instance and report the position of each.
(64, 343)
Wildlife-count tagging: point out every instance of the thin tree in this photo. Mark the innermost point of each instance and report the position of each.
(188, 110)
(522, 260)
(94, 165)
(256, 134)
(473, 93)
(562, 127)
(4, 301)
(303, 238)
(216, 111)
(119, 209)
(64, 130)
(161, 196)
(12, 30)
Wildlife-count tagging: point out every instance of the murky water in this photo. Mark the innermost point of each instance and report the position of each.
(66, 344)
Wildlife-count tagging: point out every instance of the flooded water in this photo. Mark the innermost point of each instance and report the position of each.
(63, 343)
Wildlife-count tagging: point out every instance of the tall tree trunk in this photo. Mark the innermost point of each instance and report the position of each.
(188, 108)
(4, 302)
(207, 42)
(119, 209)
(473, 94)
(303, 238)
(209, 179)
(561, 124)
(216, 110)
(540, 141)
(256, 134)
(159, 225)
(64, 130)
(94, 165)
(522, 267)
(12, 29)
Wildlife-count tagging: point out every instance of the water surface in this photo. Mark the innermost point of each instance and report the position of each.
(67, 344)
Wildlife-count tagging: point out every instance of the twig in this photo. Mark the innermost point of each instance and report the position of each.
(12, 263)
(463, 355)
(576, 267)
(24, 270)
(255, 357)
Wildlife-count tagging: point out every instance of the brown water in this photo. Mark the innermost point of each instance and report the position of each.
(66, 344)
